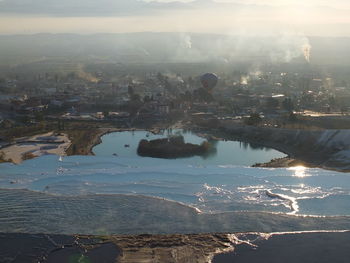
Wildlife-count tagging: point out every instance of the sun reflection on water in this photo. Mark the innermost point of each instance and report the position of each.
(299, 171)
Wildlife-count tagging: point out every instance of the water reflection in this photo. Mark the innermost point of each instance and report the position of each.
(212, 151)
(223, 153)
(253, 146)
(299, 171)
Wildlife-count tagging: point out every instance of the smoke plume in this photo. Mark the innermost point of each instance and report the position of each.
(307, 51)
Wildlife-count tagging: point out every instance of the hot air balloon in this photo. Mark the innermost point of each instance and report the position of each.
(209, 81)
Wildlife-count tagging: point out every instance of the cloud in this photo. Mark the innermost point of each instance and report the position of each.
(90, 7)
(248, 17)
(95, 8)
(339, 4)
(72, 8)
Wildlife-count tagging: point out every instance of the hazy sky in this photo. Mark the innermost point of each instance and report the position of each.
(252, 17)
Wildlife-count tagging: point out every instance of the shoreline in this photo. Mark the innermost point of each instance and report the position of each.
(137, 214)
(17, 152)
(98, 138)
(285, 162)
(295, 157)
(35, 146)
(105, 131)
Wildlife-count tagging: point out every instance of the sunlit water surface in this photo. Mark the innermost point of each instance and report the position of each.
(220, 182)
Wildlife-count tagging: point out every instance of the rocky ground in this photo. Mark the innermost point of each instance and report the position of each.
(284, 162)
(201, 248)
(327, 149)
(35, 146)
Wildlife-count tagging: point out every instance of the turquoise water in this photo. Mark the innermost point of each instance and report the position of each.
(227, 152)
(221, 182)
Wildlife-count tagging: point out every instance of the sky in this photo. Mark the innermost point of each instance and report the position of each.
(237, 17)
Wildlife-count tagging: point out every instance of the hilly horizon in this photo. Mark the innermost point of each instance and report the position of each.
(172, 47)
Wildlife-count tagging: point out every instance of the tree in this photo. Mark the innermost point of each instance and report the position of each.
(130, 91)
(136, 98)
(254, 119)
(39, 116)
(146, 98)
(25, 119)
(187, 96)
(272, 103)
(332, 101)
(60, 125)
(292, 117)
(288, 104)
(106, 114)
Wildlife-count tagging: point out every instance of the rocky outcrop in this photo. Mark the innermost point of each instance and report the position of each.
(324, 148)
(321, 247)
(173, 147)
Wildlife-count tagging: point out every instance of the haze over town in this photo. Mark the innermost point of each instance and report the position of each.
(128, 128)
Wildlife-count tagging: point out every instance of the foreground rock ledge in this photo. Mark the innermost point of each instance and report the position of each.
(201, 248)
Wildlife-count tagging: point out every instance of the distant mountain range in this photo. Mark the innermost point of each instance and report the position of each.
(170, 47)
